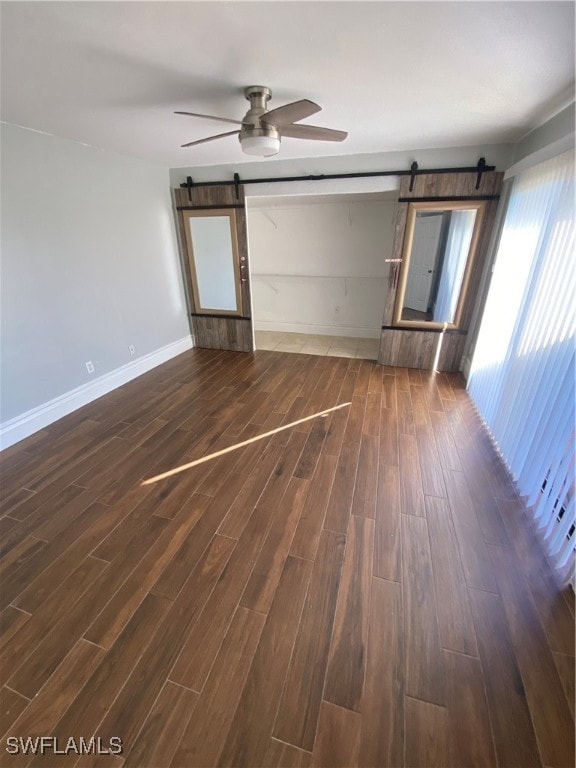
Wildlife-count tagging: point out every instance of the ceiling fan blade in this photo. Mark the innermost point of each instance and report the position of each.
(210, 117)
(312, 133)
(290, 113)
(210, 138)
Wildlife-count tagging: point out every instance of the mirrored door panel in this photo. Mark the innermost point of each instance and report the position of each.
(439, 250)
(214, 264)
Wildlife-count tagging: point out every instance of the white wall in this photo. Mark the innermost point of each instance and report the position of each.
(89, 267)
(318, 264)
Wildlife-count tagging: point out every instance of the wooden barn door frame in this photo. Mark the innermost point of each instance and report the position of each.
(214, 330)
(430, 348)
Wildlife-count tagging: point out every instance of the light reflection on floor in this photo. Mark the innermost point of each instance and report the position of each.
(236, 446)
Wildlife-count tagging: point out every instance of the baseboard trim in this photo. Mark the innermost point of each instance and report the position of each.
(318, 330)
(20, 427)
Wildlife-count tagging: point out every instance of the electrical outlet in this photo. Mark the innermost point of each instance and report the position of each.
(132, 350)
(90, 366)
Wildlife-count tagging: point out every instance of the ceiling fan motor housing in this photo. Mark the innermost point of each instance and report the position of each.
(252, 128)
(258, 96)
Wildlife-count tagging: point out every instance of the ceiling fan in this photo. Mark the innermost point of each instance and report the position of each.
(261, 129)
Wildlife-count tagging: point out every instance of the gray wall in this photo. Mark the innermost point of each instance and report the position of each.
(554, 130)
(89, 266)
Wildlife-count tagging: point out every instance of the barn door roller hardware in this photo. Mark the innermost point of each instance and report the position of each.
(480, 168)
(414, 171)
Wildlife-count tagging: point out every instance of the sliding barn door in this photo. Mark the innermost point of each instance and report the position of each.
(214, 251)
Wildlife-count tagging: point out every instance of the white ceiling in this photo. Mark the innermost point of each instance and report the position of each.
(395, 75)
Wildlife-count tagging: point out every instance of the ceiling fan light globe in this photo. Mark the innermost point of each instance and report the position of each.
(260, 146)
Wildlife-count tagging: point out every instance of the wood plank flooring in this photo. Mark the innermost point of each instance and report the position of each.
(363, 588)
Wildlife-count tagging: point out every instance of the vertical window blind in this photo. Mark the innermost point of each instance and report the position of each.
(522, 373)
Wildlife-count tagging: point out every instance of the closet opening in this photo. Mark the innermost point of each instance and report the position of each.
(319, 266)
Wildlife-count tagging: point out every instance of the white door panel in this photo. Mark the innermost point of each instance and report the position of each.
(422, 262)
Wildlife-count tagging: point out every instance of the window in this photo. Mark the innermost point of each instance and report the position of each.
(522, 373)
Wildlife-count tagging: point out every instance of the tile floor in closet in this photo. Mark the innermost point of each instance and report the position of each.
(310, 344)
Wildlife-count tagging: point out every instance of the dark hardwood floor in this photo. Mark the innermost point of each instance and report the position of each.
(363, 588)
